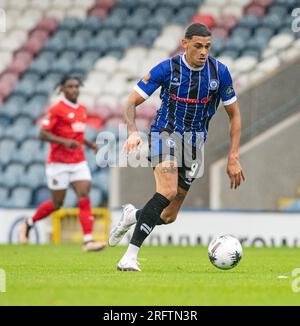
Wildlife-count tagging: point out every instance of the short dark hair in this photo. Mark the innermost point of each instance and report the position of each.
(66, 78)
(197, 29)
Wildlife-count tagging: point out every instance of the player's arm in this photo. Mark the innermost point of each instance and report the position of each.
(129, 114)
(46, 135)
(91, 145)
(143, 89)
(234, 168)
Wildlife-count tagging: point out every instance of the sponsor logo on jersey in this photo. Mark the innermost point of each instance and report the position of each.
(78, 126)
(184, 100)
(205, 100)
(46, 122)
(175, 81)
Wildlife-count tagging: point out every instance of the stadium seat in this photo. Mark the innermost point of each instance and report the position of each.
(96, 197)
(4, 194)
(20, 197)
(70, 199)
(13, 174)
(40, 195)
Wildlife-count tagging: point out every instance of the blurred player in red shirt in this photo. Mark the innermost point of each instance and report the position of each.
(64, 128)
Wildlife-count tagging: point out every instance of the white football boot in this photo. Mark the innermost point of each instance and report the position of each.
(126, 221)
(128, 265)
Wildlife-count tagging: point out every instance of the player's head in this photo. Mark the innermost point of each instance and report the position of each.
(70, 85)
(197, 44)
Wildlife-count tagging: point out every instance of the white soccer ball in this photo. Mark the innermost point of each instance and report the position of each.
(225, 252)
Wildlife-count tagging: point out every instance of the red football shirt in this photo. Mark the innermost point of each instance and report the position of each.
(68, 120)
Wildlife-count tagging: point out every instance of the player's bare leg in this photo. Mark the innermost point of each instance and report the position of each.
(82, 189)
(170, 213)
(43, 211)
(130, 216)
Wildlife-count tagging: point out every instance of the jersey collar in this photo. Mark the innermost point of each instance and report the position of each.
(71, 104)
(191, 68)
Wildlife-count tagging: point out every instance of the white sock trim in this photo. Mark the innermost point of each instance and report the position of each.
(87, 237)
(29, 221)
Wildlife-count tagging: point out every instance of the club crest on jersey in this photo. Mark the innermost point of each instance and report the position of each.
(71, 115)
(78, 126)
(170, 142)
(213, 84)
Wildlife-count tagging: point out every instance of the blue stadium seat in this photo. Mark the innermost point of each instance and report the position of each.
(62, 66)
(31, 76)
(272, 21)
(91, 158)
(68, 55)
(54, 45)
(40, 195)
(243, 32)
(279, 10)
(70, 199)
(249, 21)
(25, 88)
(20, 197)
(13, 174)
(5, 120)
(101, 180)
(93, 23)
(7, 148)
(40, 66)
(113, 23)
(96, 197)
(4, 194)
(83, 33)
(33, 180)
(16, 131)
(69, 23)
(155, 21)
(75, 44)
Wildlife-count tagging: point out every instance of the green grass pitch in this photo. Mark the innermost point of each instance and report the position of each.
(64, 275)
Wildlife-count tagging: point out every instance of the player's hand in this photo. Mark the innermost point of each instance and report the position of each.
(91, 145)
(72, 143)
(235, 172)
(132, 142)
(94, 147)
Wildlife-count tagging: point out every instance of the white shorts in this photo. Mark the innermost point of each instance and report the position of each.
(60, 175)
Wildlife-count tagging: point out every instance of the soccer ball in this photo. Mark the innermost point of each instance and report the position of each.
(225, 252)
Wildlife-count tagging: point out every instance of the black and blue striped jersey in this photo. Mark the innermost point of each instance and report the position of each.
(190, 96)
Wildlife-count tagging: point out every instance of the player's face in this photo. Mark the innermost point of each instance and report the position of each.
(71, 90)
(197, 49)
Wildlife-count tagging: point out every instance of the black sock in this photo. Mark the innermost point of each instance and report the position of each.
(138, 215)
(149, 217)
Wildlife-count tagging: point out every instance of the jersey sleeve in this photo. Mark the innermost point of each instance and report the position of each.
(227, 92)
(151, 82)
(50, 120)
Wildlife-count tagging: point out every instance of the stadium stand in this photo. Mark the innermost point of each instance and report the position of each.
(112, 44)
